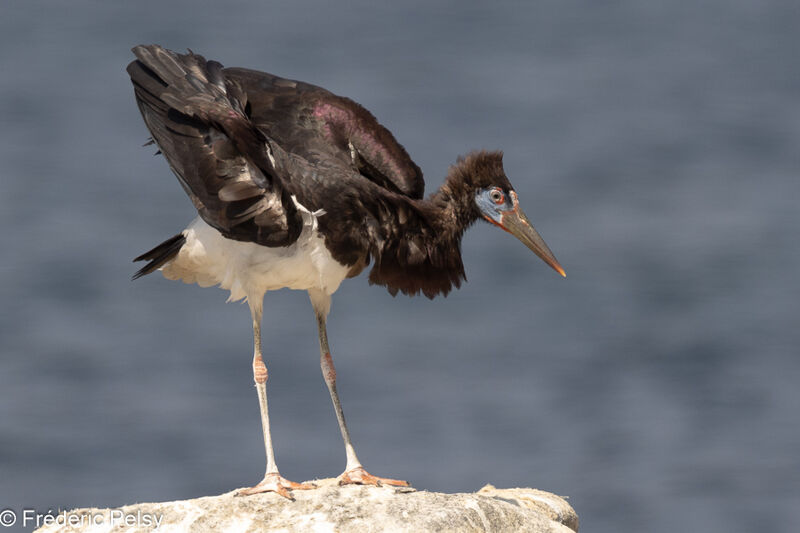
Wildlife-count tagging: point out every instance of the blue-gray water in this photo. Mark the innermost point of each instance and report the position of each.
(655, 146)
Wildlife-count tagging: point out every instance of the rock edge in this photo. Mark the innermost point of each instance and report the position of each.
(333, 508)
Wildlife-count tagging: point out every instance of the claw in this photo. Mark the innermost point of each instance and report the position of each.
(359, 476)
(277, 484)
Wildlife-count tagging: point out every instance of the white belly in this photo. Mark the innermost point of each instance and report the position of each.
(248, 270)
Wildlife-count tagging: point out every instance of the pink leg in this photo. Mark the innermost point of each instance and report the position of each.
(354, 473)
(272, 482)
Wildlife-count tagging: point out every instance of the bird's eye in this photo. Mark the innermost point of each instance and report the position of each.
(497, 196)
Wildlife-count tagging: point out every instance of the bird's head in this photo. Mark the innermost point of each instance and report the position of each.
(485, 186)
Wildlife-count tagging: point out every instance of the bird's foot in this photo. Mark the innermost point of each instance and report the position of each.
(359, 476)
(278, 484)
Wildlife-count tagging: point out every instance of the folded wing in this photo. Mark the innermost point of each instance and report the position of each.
(322, 127)
(199, 121)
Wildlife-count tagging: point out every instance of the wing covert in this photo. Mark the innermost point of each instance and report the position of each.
(316, 124)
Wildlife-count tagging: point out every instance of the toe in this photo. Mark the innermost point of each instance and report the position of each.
(277, 484)
(359, 476)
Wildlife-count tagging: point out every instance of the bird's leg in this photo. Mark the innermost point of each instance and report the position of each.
(353, 473)
(272, 482)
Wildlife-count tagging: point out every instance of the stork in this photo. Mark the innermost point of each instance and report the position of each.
(299, 188)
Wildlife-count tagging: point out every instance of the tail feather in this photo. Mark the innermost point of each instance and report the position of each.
(160, 255)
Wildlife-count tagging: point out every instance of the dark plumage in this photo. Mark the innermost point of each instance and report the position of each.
(160, 255)
(330, 152)
(277, 164)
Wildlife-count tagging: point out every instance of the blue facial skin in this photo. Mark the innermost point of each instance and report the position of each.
(486, 202)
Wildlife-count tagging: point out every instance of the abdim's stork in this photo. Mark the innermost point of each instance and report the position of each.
(297, 187)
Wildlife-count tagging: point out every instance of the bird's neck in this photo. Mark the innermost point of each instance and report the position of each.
(425, 256)
(422, 252)
(454, 206)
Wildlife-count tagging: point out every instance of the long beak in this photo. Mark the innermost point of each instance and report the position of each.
(517, 224)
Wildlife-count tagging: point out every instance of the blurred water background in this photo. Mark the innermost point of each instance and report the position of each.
(653, 144)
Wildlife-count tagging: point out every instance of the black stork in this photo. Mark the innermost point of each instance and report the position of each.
(297, 187)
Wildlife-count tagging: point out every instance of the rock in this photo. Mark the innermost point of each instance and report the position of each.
(334, 508)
